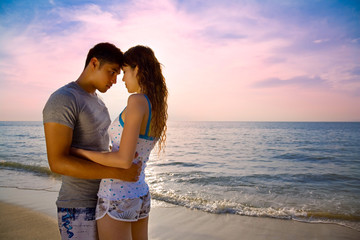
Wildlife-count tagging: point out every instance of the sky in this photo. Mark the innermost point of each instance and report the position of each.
(245, 60)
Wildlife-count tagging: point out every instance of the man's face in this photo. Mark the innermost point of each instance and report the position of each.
(106, 75)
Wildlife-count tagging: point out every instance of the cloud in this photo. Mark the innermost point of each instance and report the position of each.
(218, 51)
(275, 60)
(300, 81)
(355, 71)
(320, 41)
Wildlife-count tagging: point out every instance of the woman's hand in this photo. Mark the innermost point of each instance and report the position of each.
(77, 152)
(86, 154)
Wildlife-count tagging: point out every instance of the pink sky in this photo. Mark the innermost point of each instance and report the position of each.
(226, 62)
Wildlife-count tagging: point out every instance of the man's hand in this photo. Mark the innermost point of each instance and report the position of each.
(132, 174)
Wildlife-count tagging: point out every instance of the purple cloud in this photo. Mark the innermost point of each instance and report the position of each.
(300, 81)
(355, 71)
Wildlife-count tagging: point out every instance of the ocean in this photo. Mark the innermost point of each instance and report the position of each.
(302, 171)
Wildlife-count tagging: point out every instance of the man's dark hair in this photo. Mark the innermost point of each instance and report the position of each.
(105, 53)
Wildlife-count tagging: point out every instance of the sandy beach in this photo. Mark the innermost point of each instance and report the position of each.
(29, 214)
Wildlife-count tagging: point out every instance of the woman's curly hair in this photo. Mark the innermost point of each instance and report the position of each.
(152, 83)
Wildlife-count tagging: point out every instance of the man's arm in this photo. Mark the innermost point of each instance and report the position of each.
(58, 142)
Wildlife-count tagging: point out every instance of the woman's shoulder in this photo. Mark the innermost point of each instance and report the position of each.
(137, 97)
(137, 100)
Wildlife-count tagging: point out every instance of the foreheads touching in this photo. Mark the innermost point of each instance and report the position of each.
(105, 53)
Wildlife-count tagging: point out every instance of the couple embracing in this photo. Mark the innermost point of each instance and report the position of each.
(78, 130)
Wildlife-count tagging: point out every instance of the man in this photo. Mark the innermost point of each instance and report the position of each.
(74, 116)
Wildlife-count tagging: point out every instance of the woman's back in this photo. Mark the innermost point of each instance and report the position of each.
(115, 189)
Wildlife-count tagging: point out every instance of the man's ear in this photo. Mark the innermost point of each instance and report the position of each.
(94, 63)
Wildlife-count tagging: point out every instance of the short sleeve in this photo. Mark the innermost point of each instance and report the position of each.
(61, 108)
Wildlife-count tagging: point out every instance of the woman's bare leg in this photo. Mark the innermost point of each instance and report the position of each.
(139, 229)
(111, 229)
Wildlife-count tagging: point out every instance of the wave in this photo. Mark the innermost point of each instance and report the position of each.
(223, 206)
(202, 177)
(228, 207)
(300, 157)
(44, 171)
(181, 164)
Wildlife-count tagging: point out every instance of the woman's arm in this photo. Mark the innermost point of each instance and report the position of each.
(58, 141)
(135, 111)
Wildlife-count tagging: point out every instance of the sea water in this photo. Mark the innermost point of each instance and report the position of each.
(304, 171)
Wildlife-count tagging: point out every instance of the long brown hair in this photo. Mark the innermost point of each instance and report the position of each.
(152, 83)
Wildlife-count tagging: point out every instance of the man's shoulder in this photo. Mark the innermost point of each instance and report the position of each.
(68, 89)
(62, 107)
(65, 95)
(68, 92)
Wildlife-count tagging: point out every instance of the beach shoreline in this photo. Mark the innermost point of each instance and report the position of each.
(35, 212)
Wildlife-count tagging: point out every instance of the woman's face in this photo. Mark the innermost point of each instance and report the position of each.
(130, 79)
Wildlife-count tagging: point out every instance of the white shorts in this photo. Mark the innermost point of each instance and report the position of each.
(127, 210)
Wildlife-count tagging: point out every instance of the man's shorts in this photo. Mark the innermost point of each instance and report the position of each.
(127, 210)
(77, 223)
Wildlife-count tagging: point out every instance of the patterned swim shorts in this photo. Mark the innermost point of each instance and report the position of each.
(77, 223)
(127, 210)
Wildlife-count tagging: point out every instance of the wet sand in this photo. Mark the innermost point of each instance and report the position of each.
(29, 214)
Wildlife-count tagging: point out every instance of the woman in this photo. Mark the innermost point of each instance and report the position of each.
(123, 207)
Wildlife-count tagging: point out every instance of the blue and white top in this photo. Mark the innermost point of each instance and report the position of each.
(114, 189)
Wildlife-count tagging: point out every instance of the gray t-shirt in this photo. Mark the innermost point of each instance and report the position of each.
(89, 118)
